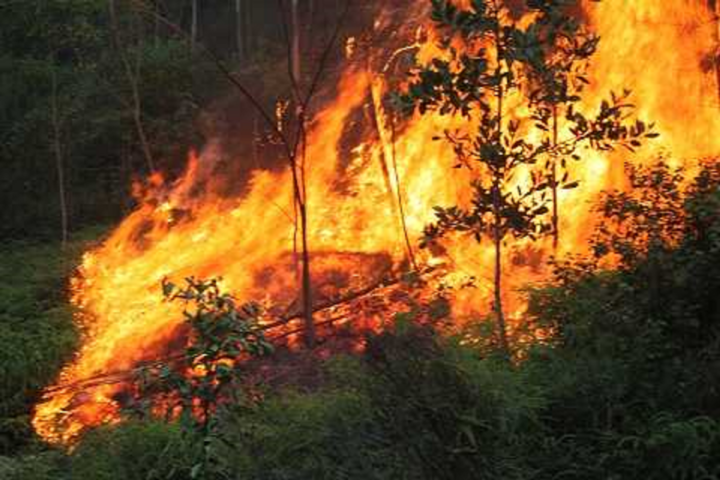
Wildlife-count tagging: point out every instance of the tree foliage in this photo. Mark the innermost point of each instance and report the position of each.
(500, 58)
(222, 335)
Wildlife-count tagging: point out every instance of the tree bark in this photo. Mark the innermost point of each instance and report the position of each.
(497, 218)
(156, 25)
(307, 282)
(240, 31)
(553, 179)
(300, 200)
(497, 241)
(295, 49)
(714, 6)
(194, 25)
(59, 164)
(132, 78)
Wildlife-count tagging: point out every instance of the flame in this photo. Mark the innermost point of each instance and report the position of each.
(657, 49)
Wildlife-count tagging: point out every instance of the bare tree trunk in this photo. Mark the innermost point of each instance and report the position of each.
(553, 179)
(137, 118)
(310, 23)
(300, 203)
(296, 70)
(497, 241)
(715, 9)
(240, 31)
(57, 147)
(291, 147)
(380, 119)
(156, 25)
(194, 25)
(307, 282)
(125, 177)
(255, 142)
(298, 168)
(497, 218)
(302, 198)
(132, 77)
(401, 206)
(247, 29)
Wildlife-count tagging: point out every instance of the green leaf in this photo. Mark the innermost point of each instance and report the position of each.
(196, 470)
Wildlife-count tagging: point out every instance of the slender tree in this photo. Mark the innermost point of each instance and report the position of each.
(132, 74)
(298, 162)
(476, 84)
(475, 81)
(156, 23)
(296, 70)
(57, 149)
(220, 331)
(558, 51)
(240, 30)
(384, 123)
(194, 24)
(293, 145)
(557, 72)
(714, 7)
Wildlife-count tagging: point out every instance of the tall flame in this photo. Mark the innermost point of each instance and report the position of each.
(658, 49)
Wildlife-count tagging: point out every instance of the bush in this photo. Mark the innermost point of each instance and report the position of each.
(324, 435)
(448, 412)
(412, 407)
(37, 334)
(623, 389)
(631, 377)
(132, 451)
(48, 465)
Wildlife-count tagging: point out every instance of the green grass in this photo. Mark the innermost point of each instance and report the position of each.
(37, 334)
(623, 390)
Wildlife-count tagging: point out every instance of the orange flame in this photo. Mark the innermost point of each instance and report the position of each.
(655, 48)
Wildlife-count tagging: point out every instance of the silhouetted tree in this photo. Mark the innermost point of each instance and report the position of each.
(475, 81)
(559, 48)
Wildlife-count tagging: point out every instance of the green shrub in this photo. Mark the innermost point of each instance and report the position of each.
(324, 435)
(413, 407)
(43, 466)
(631, 378)
(37, 333)
(132, 451)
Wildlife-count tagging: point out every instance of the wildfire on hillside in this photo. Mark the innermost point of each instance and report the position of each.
(184, 228)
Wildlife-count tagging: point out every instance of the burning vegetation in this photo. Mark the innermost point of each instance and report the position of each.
(491, 185)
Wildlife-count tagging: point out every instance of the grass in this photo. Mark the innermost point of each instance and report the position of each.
(37, 334)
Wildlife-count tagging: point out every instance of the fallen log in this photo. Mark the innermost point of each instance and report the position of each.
(122, 376)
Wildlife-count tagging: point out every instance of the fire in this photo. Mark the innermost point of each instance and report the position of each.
(658, 49)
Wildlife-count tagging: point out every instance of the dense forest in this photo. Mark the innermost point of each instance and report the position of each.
(121, 96)
(407, 239)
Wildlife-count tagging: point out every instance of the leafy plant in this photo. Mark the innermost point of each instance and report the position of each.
(499, 59)
(626, 341)
(135, 450)
(222, 334)
(558, 50)
(645, 219)
(37, 332)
